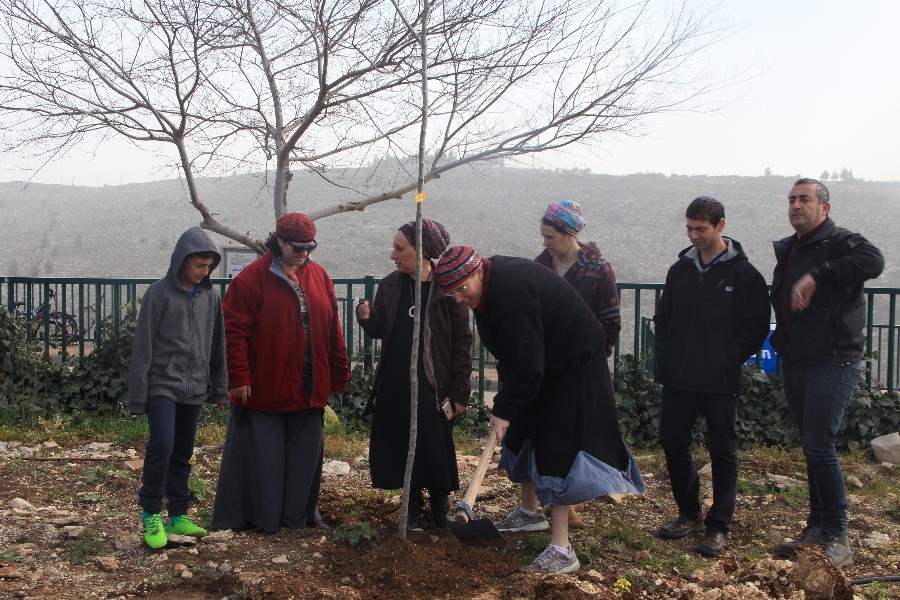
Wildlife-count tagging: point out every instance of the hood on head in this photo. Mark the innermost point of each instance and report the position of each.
(192, 241)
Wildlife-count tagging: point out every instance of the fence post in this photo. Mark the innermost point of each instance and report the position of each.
(369, 294)
(637, 337)
(892, 318)
(348, 320)
(870, 314)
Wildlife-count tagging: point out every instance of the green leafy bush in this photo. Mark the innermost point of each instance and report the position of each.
(763, 418)
(33, 386)
(476, 418)
(29, 381)
(99, 381)
(354, 533)
(353, 402)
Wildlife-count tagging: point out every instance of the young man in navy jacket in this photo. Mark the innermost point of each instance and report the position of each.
(713, 315)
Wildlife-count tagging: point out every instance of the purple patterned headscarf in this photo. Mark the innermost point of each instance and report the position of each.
(565, 215)
(434, 237)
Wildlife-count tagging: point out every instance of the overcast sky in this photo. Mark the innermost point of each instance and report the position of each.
(824, 95)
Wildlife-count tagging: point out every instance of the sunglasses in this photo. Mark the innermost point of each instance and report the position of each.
(300, 248)
(461, 289)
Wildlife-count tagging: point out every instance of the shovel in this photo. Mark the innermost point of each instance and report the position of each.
(467, 529)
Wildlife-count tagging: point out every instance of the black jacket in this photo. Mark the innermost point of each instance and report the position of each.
(831, 329)
(537, 326)
(709, 323)
(448, 339)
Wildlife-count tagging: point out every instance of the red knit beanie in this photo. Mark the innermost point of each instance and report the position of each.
(457, 264)
(295, 227)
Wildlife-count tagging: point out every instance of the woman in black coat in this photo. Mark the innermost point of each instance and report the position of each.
(444, 376)
(555, 413)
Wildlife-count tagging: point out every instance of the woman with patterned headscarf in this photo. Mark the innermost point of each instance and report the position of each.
(444, 376)
(581, 265)
(584, 268)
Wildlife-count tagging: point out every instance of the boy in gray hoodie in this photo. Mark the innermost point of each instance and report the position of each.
(177, 361)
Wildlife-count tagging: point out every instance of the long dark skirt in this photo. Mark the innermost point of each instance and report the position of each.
(568, 443)
(435, 464)
(271, 470)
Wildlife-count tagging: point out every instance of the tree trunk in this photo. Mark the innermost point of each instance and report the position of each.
(417, 313)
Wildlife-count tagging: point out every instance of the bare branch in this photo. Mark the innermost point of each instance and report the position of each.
(322, 84)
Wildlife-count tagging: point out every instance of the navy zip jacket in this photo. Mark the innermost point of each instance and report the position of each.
(708, 323)
(831, 329)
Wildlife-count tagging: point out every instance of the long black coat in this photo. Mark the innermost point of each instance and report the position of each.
(448, 338)
(551, 360)
(444, 370)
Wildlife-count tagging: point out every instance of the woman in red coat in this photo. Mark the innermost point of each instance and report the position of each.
(286, 356)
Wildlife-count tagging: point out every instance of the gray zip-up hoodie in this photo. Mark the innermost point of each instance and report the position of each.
(179, 342)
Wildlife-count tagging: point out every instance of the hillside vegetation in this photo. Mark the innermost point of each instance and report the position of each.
(637, 220)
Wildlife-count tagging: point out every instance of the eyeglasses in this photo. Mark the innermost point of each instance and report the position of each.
(300, 248)
(461, 289)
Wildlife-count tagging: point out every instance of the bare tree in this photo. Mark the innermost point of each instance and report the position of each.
(279, 85)
(417, 300)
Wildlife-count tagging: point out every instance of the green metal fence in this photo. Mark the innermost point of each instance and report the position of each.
(64, 315)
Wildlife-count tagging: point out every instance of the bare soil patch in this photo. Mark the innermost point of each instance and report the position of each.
(621, 555)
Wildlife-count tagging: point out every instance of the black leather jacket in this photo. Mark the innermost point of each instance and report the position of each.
(831, 329)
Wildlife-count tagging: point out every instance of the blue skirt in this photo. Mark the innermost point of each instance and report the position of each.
(587, 479)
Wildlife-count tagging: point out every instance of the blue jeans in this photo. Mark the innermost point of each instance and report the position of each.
(817, 396)
(167, 460)
(678, 415)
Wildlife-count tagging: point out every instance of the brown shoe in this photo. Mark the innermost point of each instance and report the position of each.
(681, 526)
(712, 543)
(575, 521)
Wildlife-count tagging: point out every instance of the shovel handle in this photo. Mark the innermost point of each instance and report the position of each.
(468, 501)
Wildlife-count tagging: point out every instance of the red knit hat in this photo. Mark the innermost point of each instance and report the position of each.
(456, 265)
(296, 227)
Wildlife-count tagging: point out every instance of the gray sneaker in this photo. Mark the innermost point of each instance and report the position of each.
(552, 560)
(809, 536)
(521, 520)
(837, 548)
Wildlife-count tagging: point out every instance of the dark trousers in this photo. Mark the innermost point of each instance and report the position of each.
(817, 396)
(167, 460)
(680, 410)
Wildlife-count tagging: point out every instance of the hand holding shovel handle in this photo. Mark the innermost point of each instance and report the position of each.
(464, 510)
(468, 530)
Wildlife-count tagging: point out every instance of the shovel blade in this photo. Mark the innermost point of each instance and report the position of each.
(477, 532)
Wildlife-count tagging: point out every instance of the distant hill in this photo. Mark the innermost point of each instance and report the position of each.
(637, 220)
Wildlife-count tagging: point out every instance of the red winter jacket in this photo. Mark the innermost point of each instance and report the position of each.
(265, 341)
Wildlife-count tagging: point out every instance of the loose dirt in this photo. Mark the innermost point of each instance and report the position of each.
(45, 554)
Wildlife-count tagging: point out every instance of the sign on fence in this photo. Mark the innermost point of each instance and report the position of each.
(235, 258)
(769, 361)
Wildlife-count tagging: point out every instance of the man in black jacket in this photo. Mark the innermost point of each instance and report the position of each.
(817, 294)
(712, 316)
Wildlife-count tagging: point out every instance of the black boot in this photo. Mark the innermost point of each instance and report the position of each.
(415, 510)
(440, 507)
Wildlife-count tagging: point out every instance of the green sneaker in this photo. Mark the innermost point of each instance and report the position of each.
(153, 530)
(182, 525)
